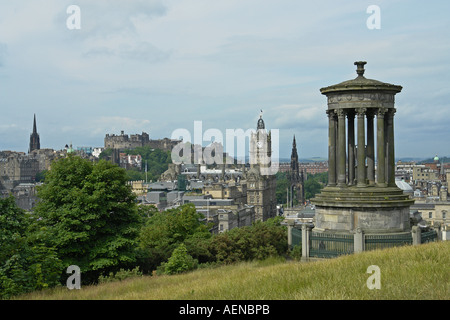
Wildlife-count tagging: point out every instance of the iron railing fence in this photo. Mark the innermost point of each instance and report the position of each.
(323, 245)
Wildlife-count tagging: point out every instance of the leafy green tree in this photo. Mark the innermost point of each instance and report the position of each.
(88, 213)
(135, 174)
(259, 241)
(322, 177)
(282, 186)
(105, 154)
(146, 211)
(312, 187)
(26, 264)
(315, 183)
(40, 176)
(164, 231)
(156, 160)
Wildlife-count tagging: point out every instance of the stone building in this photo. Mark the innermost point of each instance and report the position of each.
(306, 167)
(128, 161)
(314, 167)
(240, 217)
(423, 173)
(18, 166)
(230, 190)
(125, 141)
(261, 187)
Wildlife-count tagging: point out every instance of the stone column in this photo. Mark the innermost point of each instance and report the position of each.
(290, 226)
(416, 235)
(370, 149)
(341, 153)
(305, 242)
(361, 176)
(358, 241)
(331, 148)
(390, 148)
(381, 152)
(351, 148)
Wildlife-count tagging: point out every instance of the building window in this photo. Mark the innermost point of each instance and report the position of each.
(430, 215)
(444, 214)
(221, 227)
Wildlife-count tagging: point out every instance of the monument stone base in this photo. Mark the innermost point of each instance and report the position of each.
(371, 209)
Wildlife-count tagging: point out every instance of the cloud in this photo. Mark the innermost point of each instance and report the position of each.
(298, 116)
(177, 61)
(7, 127)
(103, 18)
(135, 51)
(115, 124)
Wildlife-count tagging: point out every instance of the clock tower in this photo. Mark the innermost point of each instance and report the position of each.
(260, 146)
(261, 188)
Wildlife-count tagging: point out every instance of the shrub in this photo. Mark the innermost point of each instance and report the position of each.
(180, 261)
(296, 252)
(120, 275)
(256, 242)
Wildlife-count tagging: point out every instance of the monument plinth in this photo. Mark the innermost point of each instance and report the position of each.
(361, 192)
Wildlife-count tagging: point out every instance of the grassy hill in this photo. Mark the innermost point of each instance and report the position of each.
(412, 272)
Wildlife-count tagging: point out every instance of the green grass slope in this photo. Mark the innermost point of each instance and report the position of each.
(412, 272)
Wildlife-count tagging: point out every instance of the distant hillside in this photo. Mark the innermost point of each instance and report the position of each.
(406, 273)
(409, 159)
(431, 160)
(313, 159)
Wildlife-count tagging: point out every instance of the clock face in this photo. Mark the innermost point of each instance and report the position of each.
(259, 144)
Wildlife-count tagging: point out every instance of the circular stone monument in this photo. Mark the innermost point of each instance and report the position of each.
(361, 193)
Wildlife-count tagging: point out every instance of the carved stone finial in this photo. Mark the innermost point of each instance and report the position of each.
(360, 68)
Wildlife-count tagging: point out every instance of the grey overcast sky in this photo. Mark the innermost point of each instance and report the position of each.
(160, 65)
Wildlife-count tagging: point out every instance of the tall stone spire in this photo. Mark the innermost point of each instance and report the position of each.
(296, 186)
(34, 125)
(295, 174)
(34, 138)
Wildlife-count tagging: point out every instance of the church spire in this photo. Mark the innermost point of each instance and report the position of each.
(34, 124)
(34, 138)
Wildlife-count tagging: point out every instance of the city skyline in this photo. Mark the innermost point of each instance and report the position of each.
(157, 66)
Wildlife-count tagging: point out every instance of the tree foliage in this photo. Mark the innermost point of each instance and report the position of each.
(156, 160)
(26, 264)
(87, 212)
(282, 186)
(259, 241)
(180, 261)
(164, 231)
(315, 183)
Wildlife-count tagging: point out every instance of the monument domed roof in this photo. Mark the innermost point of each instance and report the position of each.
(361, 83)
